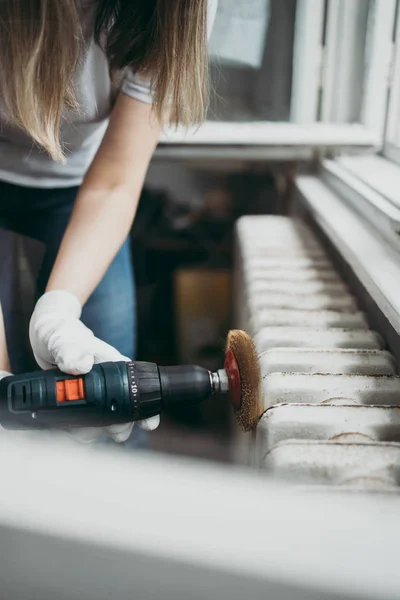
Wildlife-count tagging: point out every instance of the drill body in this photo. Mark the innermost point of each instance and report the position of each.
(112, 393)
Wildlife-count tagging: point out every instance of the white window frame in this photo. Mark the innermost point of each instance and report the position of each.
(380, 68)
(336, 89)
(370, 183)
(342, 38)
(307, 61)
(359, 194)
(391, 147)
(340, 96)
(319, 106)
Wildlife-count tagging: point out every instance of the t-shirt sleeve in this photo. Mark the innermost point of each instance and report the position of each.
(138, 87)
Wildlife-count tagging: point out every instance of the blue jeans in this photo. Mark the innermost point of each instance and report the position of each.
(43, 214)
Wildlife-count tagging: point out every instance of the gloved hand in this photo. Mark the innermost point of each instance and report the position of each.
(59, 338)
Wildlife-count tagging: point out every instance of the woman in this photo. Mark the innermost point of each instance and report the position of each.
(85, 88)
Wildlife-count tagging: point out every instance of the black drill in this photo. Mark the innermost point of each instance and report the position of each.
(112, 393)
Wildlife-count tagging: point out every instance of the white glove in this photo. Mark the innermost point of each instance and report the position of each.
(59, 338)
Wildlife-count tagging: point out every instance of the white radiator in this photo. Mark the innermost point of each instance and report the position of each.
(330, 390)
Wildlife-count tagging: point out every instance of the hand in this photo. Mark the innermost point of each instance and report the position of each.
(60, 339)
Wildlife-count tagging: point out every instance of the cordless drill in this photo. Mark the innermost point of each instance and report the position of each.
(112, 393)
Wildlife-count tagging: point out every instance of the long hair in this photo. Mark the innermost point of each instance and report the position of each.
(41, 42)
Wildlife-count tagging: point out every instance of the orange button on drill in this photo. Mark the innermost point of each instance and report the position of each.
(70, 390)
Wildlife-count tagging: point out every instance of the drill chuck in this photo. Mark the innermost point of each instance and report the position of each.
(111, 393)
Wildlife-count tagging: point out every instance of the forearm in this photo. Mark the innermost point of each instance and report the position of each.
(107, 202)
(4, 360)
(99, 224)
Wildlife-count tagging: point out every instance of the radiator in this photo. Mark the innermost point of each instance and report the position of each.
(330, 388)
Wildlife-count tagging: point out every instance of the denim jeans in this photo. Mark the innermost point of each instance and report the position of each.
(43, 214)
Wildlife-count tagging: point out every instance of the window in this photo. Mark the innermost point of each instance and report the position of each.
(343, 55)
(308, 74)
(251, 60)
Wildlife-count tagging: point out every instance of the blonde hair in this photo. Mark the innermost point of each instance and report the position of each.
(41, 42)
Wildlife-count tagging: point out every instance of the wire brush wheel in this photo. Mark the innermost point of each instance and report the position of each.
(245, 380)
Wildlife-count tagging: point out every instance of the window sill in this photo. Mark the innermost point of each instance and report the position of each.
(369, 184)
(264, 140)
(382, 175)
(375, 264)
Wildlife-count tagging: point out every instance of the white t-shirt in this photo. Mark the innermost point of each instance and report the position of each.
(24, 163)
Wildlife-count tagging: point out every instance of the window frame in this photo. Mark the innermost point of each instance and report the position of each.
(391, 148)
(313, 119)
